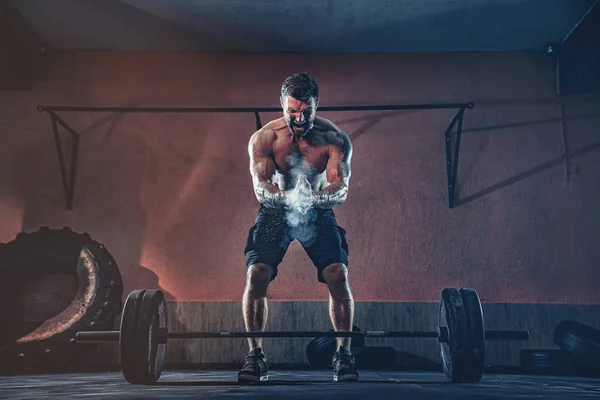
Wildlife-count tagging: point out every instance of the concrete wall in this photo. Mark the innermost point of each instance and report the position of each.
(170, 194)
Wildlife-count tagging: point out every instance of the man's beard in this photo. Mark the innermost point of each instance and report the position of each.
(299, 129)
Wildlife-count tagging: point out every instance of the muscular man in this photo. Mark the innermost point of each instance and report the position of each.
(300, 167)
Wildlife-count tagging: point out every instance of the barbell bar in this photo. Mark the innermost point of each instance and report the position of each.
(143, 335)
(441, 335)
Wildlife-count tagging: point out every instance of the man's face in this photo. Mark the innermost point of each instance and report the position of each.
(299, 115)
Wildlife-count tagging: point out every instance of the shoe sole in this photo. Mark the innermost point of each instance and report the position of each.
(252, 378)
(345, 378)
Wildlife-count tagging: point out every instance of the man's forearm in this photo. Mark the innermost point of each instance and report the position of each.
(332, 195)
(269, 195)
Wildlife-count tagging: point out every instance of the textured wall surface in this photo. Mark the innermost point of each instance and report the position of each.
(170, 194)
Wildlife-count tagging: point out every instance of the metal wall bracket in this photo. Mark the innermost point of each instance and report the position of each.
(68, 179)
(452, 161)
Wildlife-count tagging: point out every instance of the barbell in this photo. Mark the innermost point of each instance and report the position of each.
(143, 335)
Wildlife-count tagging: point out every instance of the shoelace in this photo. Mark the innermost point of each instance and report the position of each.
(252, 359)
(345, 359)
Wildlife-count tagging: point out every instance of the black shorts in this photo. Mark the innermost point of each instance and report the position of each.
(318, 232)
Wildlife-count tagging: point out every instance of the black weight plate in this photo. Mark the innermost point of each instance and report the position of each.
(549, 362)
(320, 350)
(476, 339)
(149, 354)
(128, 340)
(452, 315)
(162, 323)
(580, 340)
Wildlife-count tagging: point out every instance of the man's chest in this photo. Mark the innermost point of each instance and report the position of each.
(289, 154)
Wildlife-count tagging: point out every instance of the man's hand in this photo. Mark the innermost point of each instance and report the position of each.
(302, 197)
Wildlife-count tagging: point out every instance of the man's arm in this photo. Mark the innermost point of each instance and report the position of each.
(262, 169)
(338, 174)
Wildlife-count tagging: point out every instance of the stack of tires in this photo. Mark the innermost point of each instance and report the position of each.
(53, 284)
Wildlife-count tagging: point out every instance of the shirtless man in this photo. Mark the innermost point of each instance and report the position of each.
(300, 167)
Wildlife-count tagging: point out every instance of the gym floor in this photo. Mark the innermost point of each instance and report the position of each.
(297, 384)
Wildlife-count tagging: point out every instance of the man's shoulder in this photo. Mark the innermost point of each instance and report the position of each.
(325, 124)
(328, 126)
(333, 134)
(265, 137)
(271, 129)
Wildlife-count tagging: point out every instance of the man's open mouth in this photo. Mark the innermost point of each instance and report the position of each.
(297, 127)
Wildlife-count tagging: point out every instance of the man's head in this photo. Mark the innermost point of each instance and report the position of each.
(299, 100)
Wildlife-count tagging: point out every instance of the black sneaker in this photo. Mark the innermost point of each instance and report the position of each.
(255, 368)
(343, 366)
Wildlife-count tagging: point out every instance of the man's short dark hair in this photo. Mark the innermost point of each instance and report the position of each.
(301, 87)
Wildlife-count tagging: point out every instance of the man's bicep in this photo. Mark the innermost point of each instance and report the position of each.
(262, 166)
(338, 166)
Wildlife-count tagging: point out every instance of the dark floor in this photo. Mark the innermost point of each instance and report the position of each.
(297, 384)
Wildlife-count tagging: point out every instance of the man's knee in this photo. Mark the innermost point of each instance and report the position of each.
(259, 274)
(335, 274)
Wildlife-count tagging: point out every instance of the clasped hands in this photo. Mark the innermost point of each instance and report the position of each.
(302, 197)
